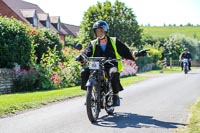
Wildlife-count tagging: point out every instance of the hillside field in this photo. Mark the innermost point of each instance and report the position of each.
(161, 31)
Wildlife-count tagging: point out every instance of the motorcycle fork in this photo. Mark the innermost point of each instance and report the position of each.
(98, 93)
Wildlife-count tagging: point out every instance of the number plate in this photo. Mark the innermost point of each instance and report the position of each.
(93, 65)
(185, 59)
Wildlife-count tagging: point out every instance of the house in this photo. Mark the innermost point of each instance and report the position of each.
(34, 15)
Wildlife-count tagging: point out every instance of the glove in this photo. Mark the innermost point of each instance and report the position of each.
(79, 58)
(78, 46)
(141, 53)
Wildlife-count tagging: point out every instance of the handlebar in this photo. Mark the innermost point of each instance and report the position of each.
(103, 60)
(111, 60)
(141, 53)
(146, 50)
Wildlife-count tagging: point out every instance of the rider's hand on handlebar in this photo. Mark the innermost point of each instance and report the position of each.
(141, 53)
(80, 59)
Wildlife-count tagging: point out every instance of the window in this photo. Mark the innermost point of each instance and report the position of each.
(47, 23)
(58, 26)
(35, 21)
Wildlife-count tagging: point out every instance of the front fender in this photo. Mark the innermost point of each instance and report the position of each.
(90, 82)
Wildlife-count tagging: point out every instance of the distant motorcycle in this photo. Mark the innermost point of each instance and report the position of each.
(185, 62)
(99, 89)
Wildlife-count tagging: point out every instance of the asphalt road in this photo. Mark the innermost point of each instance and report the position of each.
(157, 105)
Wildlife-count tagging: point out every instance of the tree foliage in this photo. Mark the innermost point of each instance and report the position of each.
(176, 43)
(70, 41)
(121, 20)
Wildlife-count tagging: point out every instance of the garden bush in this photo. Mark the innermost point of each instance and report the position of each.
(44, 39)
(154, 55)
(15, 43)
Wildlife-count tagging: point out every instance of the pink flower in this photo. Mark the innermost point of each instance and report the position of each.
(54, 76)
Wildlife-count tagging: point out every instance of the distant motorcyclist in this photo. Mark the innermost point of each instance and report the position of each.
(109, 47)
(185, 54)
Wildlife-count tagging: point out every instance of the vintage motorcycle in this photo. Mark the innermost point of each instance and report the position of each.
(99, 89)
(185, 65)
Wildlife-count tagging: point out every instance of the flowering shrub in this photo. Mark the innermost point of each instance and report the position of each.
(72, 74)
(47, 69)
(129, 68)
(54, 73)
(43, 39)
(26, 80)
(39, 53)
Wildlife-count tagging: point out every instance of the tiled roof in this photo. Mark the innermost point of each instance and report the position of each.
(67, 30)
(73, 28)
(17, 5)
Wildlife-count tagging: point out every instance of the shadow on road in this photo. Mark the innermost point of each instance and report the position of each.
(192, 73)
(124, 120)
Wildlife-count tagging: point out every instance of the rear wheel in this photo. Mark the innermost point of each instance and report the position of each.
(92, 103)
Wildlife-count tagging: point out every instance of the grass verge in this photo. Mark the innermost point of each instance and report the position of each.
(12, 103)
(194, 120)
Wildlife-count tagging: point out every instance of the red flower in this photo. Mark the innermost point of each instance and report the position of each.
(33, 31)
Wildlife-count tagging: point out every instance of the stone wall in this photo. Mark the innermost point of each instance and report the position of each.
(146, 67)
(195, 64)
(6, 80)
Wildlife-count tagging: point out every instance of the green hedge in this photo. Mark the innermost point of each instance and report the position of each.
(44, 39)
(153, 56)
(15, 43)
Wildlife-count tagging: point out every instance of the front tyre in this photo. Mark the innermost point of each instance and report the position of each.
(109, 108)
(92, 104)
(186, 68)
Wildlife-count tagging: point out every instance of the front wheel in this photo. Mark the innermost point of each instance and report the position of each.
(186, 69)
(92, 104)
(109, 108)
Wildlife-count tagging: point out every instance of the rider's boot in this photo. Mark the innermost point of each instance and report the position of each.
(116, 100)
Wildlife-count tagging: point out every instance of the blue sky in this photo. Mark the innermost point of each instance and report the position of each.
(153, 12)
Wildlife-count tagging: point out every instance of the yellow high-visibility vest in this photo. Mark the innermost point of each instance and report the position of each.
(113, 42)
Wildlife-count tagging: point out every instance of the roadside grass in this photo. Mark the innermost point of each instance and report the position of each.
(194, 120)
(13, 103)
(168, 70)
(194, 124)
(132, 80)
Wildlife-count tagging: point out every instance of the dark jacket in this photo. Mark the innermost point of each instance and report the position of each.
(185, 55)
(122, 49)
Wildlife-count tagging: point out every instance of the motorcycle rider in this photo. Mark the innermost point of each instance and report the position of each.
(109, 47)
(185, 54)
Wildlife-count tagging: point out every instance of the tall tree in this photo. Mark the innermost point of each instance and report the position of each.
(121, 20)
